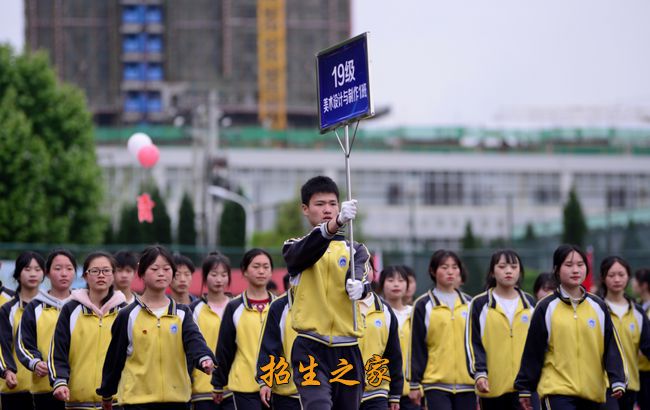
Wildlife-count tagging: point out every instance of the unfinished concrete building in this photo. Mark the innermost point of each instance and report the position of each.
(151, 61)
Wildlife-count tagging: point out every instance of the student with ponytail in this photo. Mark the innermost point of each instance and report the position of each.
(15, 391)
(82, 335)
(496, 332)
(37, 326)
(630, 322)
(207, 313)
(572, 348)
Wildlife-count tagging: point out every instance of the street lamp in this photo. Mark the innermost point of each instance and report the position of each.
(223, 193)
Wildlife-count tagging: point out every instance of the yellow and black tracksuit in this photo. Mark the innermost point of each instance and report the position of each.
(643, 398)
(405, 347)
(6, 294)
(381, 353)
(34, 337)
(571, 351)
(494, 345)
(147, 359)
(327, 321)
(209, 323)
(438, 351)
(634, 333)
(277, 340)
(79, 345)
(19, 397)
(238, 348)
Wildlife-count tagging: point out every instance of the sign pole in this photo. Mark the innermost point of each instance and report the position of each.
(348, 184)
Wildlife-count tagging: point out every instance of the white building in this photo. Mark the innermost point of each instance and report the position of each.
(412, 188)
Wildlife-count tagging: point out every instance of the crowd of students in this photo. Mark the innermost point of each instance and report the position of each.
(336, 339)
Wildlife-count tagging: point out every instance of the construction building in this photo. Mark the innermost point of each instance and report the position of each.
(154, 61)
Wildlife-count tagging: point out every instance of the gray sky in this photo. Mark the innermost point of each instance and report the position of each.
(463, 62)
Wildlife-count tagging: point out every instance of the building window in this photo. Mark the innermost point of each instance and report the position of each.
(135, 102)
(154, 43)
(154, 72)
(616, 198)
(154, 102)
(133, 43)
(133, 72)
(394, 195)
(443, 189)
(133, 14)
(153, 15)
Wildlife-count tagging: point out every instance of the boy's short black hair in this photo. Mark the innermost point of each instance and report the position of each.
(317, 185)
(544, 280)
(126, 259)
(180, 260)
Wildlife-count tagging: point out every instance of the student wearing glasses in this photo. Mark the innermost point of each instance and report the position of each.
(82, 335)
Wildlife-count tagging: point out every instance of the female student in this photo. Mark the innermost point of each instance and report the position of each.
(437, 339)
(642, 277)
(381, 354)
(239, 336)
(37, 326)
(82, 335)
(394, 285)
(153, 340)
(207, 313)
(571, 345)
(496, 332)
(15, 392)
(630, 323)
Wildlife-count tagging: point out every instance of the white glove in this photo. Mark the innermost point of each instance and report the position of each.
(354, 288)
(348, 212)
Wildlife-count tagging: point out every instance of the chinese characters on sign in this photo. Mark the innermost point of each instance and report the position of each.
(344, 83)
(376, 369)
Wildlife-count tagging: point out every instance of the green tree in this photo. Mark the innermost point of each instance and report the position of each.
(575, 225)
(469, 241)
(631, 239)
(232, 228)
(289, 224)
(186, 227)
(529, 235)
(160, 230)
(24, 165)
(128, 231)
(56, 131)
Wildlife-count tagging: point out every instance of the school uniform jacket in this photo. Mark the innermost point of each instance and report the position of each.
(79, 345)
(6, 294)
(494, 346)
(571, 352)
(405, 347)
(10, 315)
(319, 267)
(147, 359)
(277, 340)
(35, 334)
(644, 362)
(381, 338)
(209, 323)
(437, 345)
(634, 333)
(238, 346)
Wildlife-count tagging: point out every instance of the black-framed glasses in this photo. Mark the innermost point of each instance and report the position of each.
(97, 271)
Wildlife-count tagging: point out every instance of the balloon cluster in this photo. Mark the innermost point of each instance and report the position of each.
(141, 147)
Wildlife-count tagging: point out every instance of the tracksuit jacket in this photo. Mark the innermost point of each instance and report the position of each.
(79, 345)
(35, 334)
(437, 345)
(494, 346)
(5, 294)
(634, 333)
(147, 359)
(209, 323)
(318, 264)
(405, 346)
(277, 339)
(644, 362)
(238, 346)
(10, 315)
(571, 351)
(381, 338)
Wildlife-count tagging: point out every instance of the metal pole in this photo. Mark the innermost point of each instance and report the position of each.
(350, 224)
